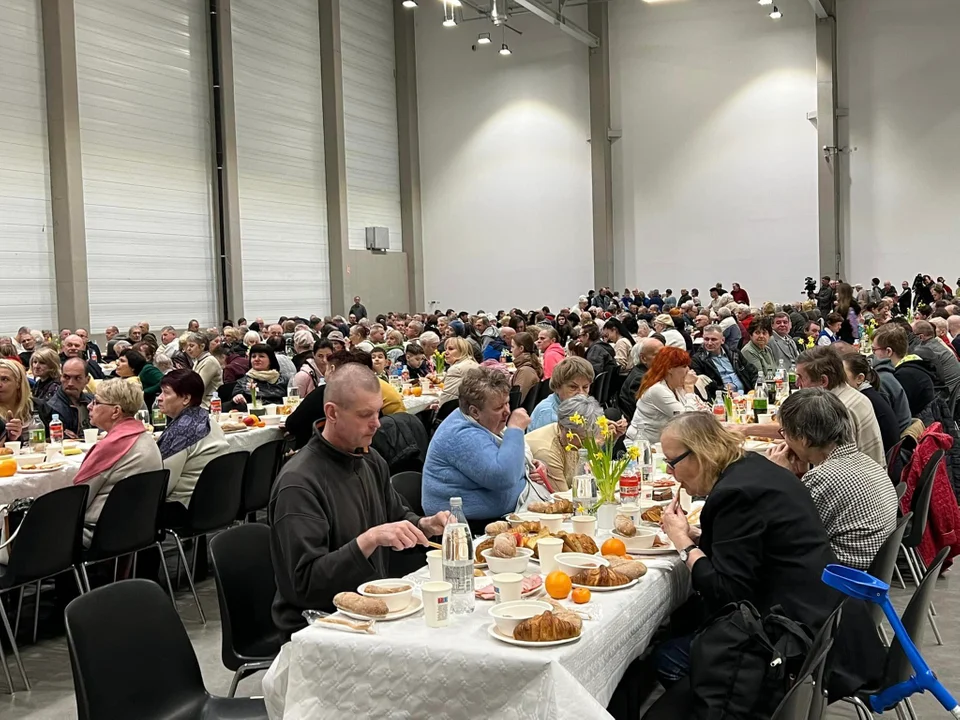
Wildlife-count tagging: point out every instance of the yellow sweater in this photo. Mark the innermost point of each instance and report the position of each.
(392, 399)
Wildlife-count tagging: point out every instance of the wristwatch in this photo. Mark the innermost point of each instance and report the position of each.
(685, 553)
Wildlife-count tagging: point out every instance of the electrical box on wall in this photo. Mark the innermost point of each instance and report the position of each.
(378, 239)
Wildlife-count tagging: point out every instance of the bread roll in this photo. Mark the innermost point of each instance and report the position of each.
(352, 602)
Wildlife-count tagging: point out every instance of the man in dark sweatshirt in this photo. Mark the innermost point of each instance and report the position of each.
(334, 515)
(916, 375)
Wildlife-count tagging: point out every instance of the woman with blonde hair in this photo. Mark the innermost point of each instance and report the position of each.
(45, 368)
(458, 355)
(17, 405)
(760, 538)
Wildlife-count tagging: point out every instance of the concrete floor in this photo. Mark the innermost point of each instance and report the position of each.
(48, 665)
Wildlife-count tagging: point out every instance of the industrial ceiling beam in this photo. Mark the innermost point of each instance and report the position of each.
(822, 8)
(567, 26)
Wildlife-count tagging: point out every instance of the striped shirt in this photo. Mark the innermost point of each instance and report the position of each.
(857, 504)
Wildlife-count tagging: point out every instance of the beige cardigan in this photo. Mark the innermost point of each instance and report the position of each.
(453, 378)
(185, 466)
(545, 447)
(208, 367)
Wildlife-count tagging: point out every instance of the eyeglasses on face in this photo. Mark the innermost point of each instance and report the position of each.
(97, 401)
(673, 462)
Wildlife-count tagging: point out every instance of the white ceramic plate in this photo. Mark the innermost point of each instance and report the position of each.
(39, 471)
(493, 632)
(758, 446)
(591, 588)
(654, 551)
(416, 604)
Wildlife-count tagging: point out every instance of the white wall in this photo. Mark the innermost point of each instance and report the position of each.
(505, 165)
(715, 178)
(899, 65)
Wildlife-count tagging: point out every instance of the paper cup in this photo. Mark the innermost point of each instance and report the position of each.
(586, 524)
(271, 409)
(436, 603)
(764, 418)
(507, 586)
(435, 564)
(15, 446)
(548, 548)
(90, 436)
(630, 510)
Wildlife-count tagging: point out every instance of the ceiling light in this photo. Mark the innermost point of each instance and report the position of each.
(504, 50)
(449, 15)
(413, 3)
(776, 14)
(483, 39)
(765, 2)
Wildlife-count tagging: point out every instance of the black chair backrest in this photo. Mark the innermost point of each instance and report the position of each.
(131, 657)
(885, 560)
(514, 397)
(530, 400)
(258, 476)
(606, 388)
(543, 391)
(920, 502)
(215, 502)
(448, 407)
(596, 387)
(894, 463)
(901, 488)
(805, 699)
(50, 539)
(128, 521)
(914, 619)
(245, 589)
(408, 484)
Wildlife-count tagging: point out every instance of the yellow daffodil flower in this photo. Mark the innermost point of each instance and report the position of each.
(633, 452)
(570, 436)
(577, 419)
(570, 448)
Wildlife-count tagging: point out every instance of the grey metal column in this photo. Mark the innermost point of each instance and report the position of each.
(331, 91)
(600, 150)
(829, 173)
(229, 241)
(66, 171)
(408, 126)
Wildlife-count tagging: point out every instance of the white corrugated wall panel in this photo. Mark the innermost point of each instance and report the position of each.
(145, 128)
(28, 290)
(283, 207)
(370, 119)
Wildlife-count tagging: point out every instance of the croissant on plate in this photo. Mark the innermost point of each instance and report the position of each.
(578, 542)
(485, 545)
(546, 627)
(551, 508)
(624, 525)
(653, 514)
(530, 526)
(631, 569)
(600, 577)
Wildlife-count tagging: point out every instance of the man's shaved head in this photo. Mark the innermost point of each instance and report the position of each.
(347, 380)
(352, 403)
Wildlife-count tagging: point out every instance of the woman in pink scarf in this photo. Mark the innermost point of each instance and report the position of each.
(126, 450)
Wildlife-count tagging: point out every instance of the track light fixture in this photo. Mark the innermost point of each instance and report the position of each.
(483, 38)
(776, 14)
(765, 2)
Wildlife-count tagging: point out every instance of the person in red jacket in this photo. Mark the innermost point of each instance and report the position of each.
(739, 294)
(548, 341)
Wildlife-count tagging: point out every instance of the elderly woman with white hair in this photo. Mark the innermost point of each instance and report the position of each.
(664, 325)
(731, 329)
(548, 444)
(429, 341)
(204, 364)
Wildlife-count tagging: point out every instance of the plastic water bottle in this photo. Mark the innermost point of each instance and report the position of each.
(216, 407)
(56, 429)
(458, 560)
(289, 347)
(38, 437)
(158, 419)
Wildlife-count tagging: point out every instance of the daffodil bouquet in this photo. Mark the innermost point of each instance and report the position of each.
(438, 362)
(599, 440)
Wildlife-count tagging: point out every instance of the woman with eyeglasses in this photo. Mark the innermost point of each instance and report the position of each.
(760, 537)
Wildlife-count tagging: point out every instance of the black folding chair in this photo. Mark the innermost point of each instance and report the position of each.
(48, 542)
(214, 505)
(409, 485)
(514, 397)
(131, 658)
(543, 391)
(883, 565)
(805, 700)
(529, 401)
(128, 523)
(597, 387)
(894, 463)
(445, 410)
(258, 476)
(246, 587)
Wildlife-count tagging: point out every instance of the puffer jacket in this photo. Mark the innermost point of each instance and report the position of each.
(401, 441)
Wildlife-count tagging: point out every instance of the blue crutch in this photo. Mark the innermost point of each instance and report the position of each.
(864, 586)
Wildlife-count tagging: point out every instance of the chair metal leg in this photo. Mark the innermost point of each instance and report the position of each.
(116, 567)
(86, 578)
(133, 570)
(166, 574)
(910, 711)
(76, 579)
(186, 570)
(910, 565)
(896, 571)
(245, 670)
(16, 650)
(933, 624)
(233, 683)
(16, 624)
(6, 670)
(863, 712)
(36, 613)
(883, 635)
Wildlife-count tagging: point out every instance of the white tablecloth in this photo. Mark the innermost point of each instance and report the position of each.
(408, 670)
(415, 404)
(21, 485)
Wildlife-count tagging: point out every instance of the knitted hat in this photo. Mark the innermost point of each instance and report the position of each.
(664, 320)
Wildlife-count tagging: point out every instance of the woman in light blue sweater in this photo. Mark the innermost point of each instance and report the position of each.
(477, 453)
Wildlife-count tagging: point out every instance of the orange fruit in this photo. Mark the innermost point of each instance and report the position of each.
(8, 466)
(613, 546)
(580, 596)
(417, 391)
(558, 584)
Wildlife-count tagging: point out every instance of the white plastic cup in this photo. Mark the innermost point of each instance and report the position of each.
(14, 446)
(630, 510)
(547, 549)
(90, 436)
(435, 564)
(271, 409)
(436, 603)
(507, 586)
(586, 524)
(765, 418)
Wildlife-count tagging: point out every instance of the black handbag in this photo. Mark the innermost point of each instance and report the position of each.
(11, 517)
(741, 665)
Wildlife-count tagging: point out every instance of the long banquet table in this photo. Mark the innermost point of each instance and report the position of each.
(408, 670)
(24, 485)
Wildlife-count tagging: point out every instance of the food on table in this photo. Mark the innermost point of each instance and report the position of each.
(658, 543)
(664, 483)
(531, 526)
(654, 514)
(385, 589)
(580, 596)
(352, 602)
(548, 627)
(578, 542)
(557, 507)
(532, 541)
(632, 569)
(284, 409)
(529, 584)
(6, 451)
(558, 585)
(694, 517)
(485, 545)
(505, 545)
(365, 626)
(661, 494)
(477, 572)
(600, 577)
(613, 546)
(231, 426)
(624, 525)
(8, 467)
(38, 466)
(495, 528)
